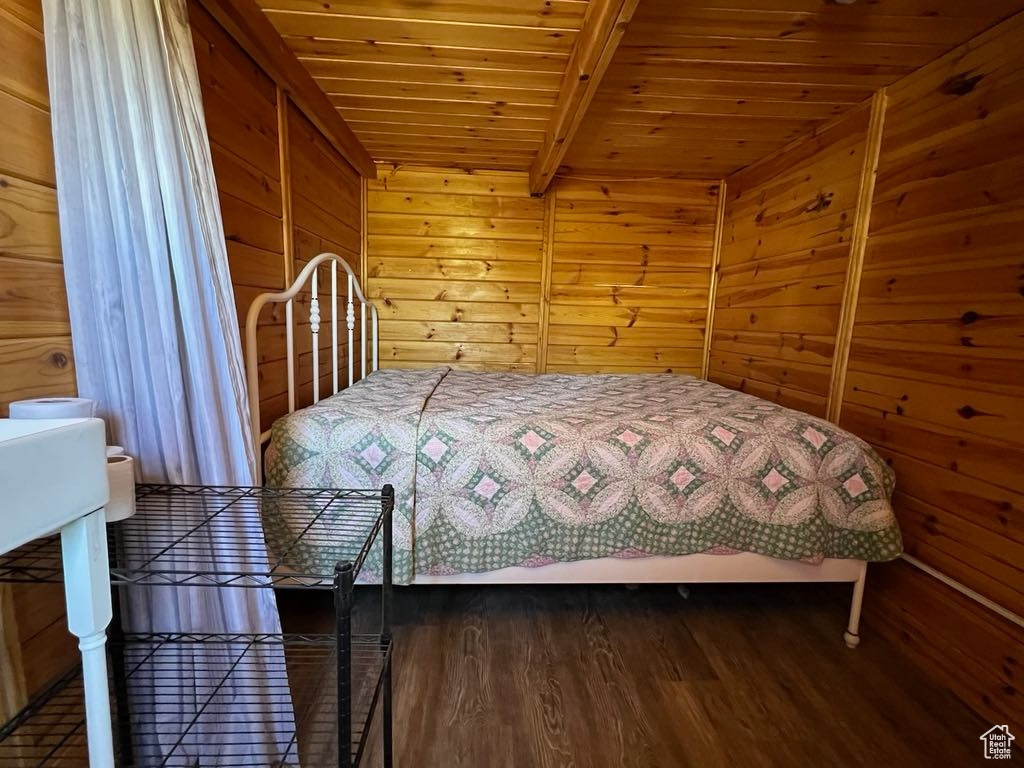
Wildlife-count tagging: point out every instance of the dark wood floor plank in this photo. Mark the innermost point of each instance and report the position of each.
(608, 687)
(652, 636)
(763, 716)
(604, 677)
(521, 656)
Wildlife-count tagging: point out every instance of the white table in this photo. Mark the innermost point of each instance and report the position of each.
(53, 477)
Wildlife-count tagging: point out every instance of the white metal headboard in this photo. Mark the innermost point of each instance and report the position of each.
(355, 293)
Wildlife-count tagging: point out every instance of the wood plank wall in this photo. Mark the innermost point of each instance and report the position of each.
(935, 378)
(457, 263)
(454, 265)
(325, 200)
(241, 105)
(785, 247)
(240, 102)
(35, 337)
(630, 271)
(286, 195)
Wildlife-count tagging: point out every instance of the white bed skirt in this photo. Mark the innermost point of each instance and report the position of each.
(684, 569)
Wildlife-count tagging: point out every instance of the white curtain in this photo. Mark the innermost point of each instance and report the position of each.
(153, 319)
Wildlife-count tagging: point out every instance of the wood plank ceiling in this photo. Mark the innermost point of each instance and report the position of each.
(704, 88)
(697, 88)
(464, 83)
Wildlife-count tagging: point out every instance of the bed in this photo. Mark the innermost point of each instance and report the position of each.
(522, 478)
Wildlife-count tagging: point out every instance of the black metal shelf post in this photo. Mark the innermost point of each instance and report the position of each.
(202, 536)
(343, 584)
(386, 615)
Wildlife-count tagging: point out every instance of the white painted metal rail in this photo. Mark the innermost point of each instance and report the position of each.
(354, 299)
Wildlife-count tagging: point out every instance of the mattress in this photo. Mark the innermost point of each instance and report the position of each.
(498, 469)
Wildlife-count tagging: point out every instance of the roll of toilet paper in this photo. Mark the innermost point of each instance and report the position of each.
(114, 450)
(121, 477)
(53, 408)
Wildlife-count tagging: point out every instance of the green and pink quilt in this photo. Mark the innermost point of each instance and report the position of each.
(499, 469)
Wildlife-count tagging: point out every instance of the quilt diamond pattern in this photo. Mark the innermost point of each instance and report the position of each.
(499, 469)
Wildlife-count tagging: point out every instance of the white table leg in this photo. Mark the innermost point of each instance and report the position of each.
(87, 591)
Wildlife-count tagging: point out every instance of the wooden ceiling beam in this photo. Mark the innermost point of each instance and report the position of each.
(602, 30)
(247, 24)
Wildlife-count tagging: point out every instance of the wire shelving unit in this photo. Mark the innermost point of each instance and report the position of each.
(229, 700)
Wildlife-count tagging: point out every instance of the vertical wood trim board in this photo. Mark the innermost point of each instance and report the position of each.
(855, 263)
(286, 187)
(545, 280)
(709, 324)
(363, 251)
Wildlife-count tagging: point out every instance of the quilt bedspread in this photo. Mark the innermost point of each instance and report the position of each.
(498, 469)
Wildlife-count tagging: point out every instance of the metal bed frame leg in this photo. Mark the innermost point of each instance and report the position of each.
(850, 635)
(388, 507)
(343, 580)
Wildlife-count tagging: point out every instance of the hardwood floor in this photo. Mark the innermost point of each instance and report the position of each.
(747, 675)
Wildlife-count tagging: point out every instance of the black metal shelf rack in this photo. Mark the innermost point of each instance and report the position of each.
(222, 684)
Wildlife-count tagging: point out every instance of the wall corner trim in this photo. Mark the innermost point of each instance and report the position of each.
(716, 254)
(855, 264)
(547, 256)
(284, 152)
(364, 253)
